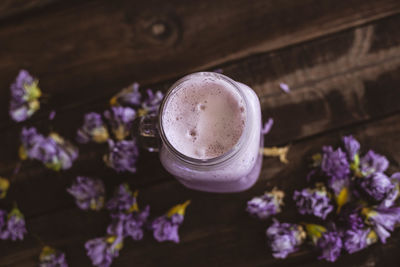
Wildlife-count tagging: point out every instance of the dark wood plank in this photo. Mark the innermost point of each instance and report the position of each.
(347, 78)
(333, 86)
(81, 52)
(217, 231)
(10, 8)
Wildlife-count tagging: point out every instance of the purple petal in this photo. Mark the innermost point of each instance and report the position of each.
(267, 126)
(284, 87)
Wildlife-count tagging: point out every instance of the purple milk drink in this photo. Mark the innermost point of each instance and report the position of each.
(210, 127)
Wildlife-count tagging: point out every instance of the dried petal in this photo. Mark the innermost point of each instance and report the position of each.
(24, 97)
(88, 193)
(284, 238)
(4, 185)
(122, 155)
(93, 129)
(267, 126)
(49, 257)
(266, 205)
(315, 201)
(103, 250)
(165, 228)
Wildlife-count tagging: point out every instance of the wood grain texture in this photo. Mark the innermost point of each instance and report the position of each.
(331, 89)
(12, 8)
(345, 82)
(105, 45)
(217, 231)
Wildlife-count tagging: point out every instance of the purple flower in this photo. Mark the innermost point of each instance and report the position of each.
(18, 91)
(373, 162)
(54, 152)
(129, 96)
(66, 153)
(334, 163)
(165, 228)
(355, 221)
(103, 250)
(396, 176)
(4, 185)
(351, 219)
(266, 205)
(93, 129)
(129, 224)
(330, 244)
(121, 121)
(338, 185)
(24, 97)
(377, 186)
(123, 201)
(128, 220)
(383, 220)
(50, 257)
(352, 147)
(88, 193)
(122, 155)
(152, 102)
(47, 151)
(30, 143)
(284, 87)
(135, 223)
(357, 239)
(392, 196)
(284, 238)
(52, 115)
(14, 228)
(314, 201)
(267, 126)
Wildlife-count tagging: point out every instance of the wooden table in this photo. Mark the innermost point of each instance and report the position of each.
(341, 60)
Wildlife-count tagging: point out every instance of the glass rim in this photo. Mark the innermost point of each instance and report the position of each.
(211, 161)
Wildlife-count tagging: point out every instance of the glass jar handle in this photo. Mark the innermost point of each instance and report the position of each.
(149, 137)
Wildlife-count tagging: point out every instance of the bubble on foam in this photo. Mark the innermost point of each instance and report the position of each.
(200, 152)
(216, 148)
(193, 132)
(202, 113)
(201, 107)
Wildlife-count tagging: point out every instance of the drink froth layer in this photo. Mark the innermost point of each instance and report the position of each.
(204, 117)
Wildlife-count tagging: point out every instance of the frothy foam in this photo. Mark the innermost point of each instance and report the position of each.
(204, 118)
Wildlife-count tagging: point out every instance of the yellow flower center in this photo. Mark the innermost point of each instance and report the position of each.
(22, 153)
(56, 137)
(100, 135)
(113, 101)
(142, 112)
(32, 90)
(315, 231)
(178, 209)
(4, 185)
(46, 251)
(342, 198)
